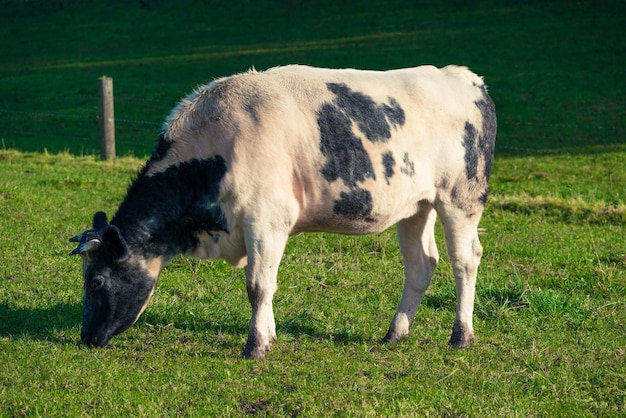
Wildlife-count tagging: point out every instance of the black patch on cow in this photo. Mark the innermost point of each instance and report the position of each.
(394, 113)
(355, 204)
(372, 119)
(164, 212)
(471, 151)
(159, 152)
(454, 195)
(388, 163)
(161, 148)
(346, 158)
(408, 166)
(444, 182)
(487, 137)
(479, 147)
(483, 196)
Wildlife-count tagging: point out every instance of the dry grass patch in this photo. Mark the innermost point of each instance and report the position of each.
(573, 209)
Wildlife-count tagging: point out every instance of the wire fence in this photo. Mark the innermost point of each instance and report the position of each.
(69, 122)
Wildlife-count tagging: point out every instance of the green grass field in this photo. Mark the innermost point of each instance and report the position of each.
(550, 314)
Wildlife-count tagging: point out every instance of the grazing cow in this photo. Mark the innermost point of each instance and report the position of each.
(246, 161)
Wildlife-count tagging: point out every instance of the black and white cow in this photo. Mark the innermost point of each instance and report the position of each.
(246, 161)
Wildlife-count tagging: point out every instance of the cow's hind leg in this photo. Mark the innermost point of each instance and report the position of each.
(416, 236)
(265, 250)
(465, 251)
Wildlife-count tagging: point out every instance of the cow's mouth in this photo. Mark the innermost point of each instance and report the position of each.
(94, 339)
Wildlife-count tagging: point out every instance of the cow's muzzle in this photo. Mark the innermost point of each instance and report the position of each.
(93, 339)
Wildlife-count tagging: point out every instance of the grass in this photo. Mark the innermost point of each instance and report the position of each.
(550, 308)
(549, 313)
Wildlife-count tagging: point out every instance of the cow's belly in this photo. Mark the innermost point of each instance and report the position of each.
(368, 207)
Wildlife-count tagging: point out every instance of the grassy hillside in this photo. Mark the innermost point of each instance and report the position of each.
(550, 308)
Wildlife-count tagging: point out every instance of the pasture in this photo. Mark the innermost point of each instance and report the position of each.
(550, 312)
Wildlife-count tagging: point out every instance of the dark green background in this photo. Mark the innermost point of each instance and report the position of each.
(554, 69)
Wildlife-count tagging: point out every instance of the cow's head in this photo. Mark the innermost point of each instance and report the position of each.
(117, 283)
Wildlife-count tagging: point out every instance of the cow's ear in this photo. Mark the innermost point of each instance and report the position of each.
(115, 243)
(100, 220)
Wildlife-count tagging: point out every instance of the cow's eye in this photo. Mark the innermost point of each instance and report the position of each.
(96, 283)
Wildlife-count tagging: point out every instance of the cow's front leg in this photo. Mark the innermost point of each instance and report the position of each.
(265, 250)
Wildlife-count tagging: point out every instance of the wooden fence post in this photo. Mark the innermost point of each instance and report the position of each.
(106, 118)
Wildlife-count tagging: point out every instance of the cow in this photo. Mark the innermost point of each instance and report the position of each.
(246, 161)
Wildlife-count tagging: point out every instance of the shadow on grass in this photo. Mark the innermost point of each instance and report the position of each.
(439, 302)
(60, 323)
(339, 336)
(41, 324)
(296, 327)
(233, 326)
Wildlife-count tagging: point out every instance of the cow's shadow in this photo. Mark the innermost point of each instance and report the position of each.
(232, 326)
(239, 327)
(55, 323)
(337, 337)
(60, 323)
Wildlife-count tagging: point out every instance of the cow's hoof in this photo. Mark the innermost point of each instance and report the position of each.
(254, 353)
(393, 337)
(461, 336)
(255, 350)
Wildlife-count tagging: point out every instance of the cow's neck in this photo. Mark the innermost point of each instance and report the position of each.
(145, 224)
(163, 212)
